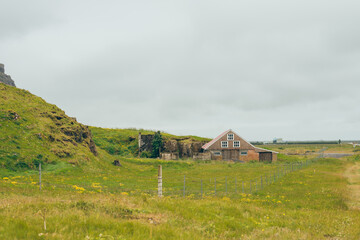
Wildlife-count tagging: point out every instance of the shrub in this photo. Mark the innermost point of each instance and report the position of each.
(145, 154)
(157, 144)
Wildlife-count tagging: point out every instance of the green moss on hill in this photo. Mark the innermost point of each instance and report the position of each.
(34, 131)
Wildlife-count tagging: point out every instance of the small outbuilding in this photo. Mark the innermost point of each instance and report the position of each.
(230, 146)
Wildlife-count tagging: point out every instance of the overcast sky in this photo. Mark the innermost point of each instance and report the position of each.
(265, 69)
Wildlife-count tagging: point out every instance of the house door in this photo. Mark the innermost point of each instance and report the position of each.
(235, 155)
(226, 155)
(230, 154)
(265, 157)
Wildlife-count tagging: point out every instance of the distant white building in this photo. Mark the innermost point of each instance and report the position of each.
(278, 140)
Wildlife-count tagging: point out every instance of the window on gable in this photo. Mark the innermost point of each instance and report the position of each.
(236, 143)
(224, 144)
(230, 136)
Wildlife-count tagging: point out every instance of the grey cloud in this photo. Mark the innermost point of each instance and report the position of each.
(266, 69)
(19, 18)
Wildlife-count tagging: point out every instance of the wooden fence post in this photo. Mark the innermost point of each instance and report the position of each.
(160, 181)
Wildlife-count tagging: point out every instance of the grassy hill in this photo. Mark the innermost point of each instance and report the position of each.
(34, 131)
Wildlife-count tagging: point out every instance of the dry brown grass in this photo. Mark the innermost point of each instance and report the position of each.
(352, 173)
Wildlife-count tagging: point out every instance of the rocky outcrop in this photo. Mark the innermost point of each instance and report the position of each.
(6, 79)
(183, 147)
(75, 133)
(189, 149)
(145, 143)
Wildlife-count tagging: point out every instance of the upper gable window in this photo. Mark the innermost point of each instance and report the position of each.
(224, 144)
(230, 136)
(236, 143)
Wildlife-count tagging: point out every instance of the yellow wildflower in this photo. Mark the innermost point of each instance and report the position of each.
(226, 199)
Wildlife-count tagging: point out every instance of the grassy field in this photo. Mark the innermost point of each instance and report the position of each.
(100, 201)
(313, 148)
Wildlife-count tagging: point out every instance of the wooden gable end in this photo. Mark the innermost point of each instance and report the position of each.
(244, 145)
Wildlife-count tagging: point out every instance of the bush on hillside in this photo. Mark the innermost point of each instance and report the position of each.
(157, 145)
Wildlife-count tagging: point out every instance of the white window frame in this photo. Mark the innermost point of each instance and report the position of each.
(236, 142)
(232, 136)
(218, 153)
(222, 144)
(242, 153)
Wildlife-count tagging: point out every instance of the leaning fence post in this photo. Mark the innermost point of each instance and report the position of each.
(250, 186)
(40, 176)
(184, 187)
(261, 182)
(160, 181)
(243, 187)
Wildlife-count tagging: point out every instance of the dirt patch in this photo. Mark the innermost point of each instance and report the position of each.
(352, 173)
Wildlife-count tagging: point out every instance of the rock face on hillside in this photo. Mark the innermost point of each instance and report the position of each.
(33, 131)
(5, 78)
(74, 132)
(185, 147)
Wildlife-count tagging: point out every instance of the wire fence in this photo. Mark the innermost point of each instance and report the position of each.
(222, 186)
(187, 186)
(230, 186)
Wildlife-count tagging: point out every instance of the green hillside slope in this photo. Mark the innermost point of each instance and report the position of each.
(33, 131)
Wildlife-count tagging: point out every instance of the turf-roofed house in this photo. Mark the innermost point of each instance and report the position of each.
(230, 146)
